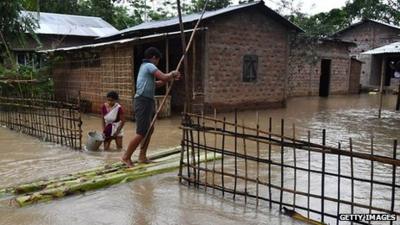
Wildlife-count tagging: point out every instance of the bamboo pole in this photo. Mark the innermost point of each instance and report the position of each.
(352, 180)
(215, 145)
(282, 163)
(295, 170)
(383, 68)
(187, 148)
(196, 163)
(205, 151)
(323, 177)
(258, 163)
(193, 154)
(398, 97)
(166, 60)
(308, 175)
(193, 70)
(182, 152)
(269, 164)
(80, 120)
(393, 179)
(371, 191)
(235, 155)
(245, 164)
(188, 104)
(222, 157)
(338, 185)
(147, 136)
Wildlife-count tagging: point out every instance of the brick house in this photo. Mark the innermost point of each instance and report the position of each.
(239, 60)
(322, 67)
(369, 34)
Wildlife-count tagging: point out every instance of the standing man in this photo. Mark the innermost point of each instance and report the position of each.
(144, 101)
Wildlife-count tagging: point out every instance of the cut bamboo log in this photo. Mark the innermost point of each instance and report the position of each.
(42, 184)
(97, 178)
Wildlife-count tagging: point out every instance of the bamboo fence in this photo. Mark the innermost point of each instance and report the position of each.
(318, 181)
(48, 119)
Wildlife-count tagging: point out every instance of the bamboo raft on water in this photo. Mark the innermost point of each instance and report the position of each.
(92, 179)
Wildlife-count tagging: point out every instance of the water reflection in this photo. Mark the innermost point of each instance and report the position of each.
(160, 199)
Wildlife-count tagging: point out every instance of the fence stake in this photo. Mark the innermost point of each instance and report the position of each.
(323, 177)
(393, 178)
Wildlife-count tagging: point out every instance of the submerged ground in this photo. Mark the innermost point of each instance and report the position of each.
(160, 199)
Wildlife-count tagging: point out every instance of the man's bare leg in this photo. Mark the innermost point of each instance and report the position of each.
(133, 144)
(143, 148)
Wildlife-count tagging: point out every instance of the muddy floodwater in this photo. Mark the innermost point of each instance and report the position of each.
(161, 199)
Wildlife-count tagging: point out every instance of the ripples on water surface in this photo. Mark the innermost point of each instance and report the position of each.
(159, 199)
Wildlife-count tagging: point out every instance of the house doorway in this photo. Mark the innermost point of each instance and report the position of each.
(325, 78)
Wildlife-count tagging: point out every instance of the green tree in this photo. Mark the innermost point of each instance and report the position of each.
(198, 5)
(53, 6)
(121, 18)
(326, 23)
(13, 26)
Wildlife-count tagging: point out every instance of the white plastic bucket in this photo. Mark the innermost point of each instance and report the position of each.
(95, 139)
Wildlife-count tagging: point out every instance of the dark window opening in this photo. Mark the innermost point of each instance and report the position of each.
(31, 59)
(250, 66)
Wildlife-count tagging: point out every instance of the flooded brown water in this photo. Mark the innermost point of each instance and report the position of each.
(160, 199)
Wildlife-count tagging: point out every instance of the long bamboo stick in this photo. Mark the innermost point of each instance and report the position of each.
(147, 136)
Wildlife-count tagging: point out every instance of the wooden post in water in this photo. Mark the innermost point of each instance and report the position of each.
(323, 177)
(393, 179)
(309, 173)
(205, 151)
(371, 191)
(383, 68)
(187, 119)
(182, 150)
(282, 171)
(236, 169)
(295, 167)
(215, 146)
(166, 60)
(398, 97)
(188, 93)
(222, 157)
(198, 152)
(245, 162)
(258, 158)
(338, 186)
(352, 178)
(269, 164)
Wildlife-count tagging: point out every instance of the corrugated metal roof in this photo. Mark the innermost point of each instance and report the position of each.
(386, 24)
(390, 48)
(363, 21)
(194, 17)
(121, 41)
(63, 24)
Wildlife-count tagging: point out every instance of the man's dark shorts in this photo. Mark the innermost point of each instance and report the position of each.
(144, 112)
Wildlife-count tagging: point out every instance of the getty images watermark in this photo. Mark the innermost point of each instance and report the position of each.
(367, 217)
